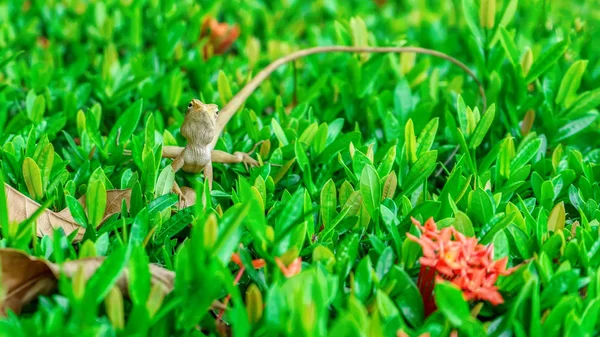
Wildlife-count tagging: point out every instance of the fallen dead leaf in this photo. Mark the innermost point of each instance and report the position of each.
(21, 207)
(25, 277)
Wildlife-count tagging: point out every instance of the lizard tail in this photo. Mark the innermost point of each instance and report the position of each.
(238, 100)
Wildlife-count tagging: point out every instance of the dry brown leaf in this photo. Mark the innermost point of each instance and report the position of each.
(25, 277)
(527, 122)
(21, 207)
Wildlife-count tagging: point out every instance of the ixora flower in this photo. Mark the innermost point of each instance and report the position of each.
(401, 333)
(450, 255)
(292, 269)
(220, 36)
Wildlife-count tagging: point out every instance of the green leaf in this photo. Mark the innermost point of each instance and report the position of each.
(359, 162)
(229, 232)
(328, 203)
(175, 224)
(33, 179)
(149, 174)
(95, 199)
(149, 131)
(363, 282)
(556, 219)
(509, 46)
(525, 154)
(139, 276)
(139, 230)
(290, 213)
(46, 160)
(410, 142)
(482, 127)
(547, 60)
(576, 125)
(77, 211)
(463, 119)
(507, 16)
(105, 276)
(301, 157)
(570, 82)
(386, 164)
(125, 125)
(370, 190)
(469, 10)
(8, 229)
(93, 130)
(338, 145)
(422, 169)
(10, 58)
(450, 302)
(463, 224)
(35, 111)
(283, 141)
(165, 181)
(497, 227)
(224, 89)
(584, 103)
(505, 156)
(481, 206)
(427, 136)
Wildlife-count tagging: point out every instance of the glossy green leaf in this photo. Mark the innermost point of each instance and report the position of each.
(422, 169)
(96, 202)
(33, 179)
(370, 189)
(450, 302)
(570, 82)
(482, 127)
(546, 60)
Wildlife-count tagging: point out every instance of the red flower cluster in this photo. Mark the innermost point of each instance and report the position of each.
(220, 36)
(450, 255)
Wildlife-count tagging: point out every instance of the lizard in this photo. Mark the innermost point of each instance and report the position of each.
(204, 122)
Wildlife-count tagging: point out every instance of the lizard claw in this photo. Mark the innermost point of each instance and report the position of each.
(182, 201)
(246, 159)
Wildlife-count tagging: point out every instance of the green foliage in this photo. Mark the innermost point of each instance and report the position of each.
(354, 146)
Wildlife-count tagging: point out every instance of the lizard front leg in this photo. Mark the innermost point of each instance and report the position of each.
(172, 151)
(235, 158)
(176, 165)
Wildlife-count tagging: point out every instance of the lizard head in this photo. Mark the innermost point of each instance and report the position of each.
(199, 124)
(196, 106)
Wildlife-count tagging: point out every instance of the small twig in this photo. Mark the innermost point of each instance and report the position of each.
(92, 153)
(452, 155)
(118, 137)
(226, 301)
(295, 94)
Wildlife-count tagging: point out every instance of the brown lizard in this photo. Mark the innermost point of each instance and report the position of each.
(203, 123)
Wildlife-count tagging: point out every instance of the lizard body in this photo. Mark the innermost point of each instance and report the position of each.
(197, 154)
(204, 123)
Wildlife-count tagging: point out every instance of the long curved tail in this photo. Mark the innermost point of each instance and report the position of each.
(238, 100)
